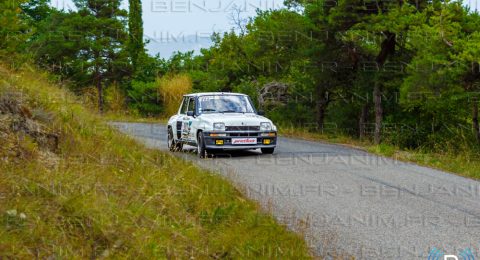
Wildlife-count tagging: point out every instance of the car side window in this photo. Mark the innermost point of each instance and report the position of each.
(183, 110)
(191, 104)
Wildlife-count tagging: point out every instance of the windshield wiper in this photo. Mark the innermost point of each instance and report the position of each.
(208, 110)
(230, 111)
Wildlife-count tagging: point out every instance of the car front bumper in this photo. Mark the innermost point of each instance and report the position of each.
(225, 142)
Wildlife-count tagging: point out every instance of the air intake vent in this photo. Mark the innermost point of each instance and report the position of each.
(242, 128)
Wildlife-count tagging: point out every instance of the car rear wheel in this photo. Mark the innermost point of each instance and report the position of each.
(201, 151)
(173, 145)
(268, 150)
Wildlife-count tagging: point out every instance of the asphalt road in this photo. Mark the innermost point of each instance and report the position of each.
(352, 202)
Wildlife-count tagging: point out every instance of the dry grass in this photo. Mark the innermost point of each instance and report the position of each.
(89, 98)
(171, 89)
(108, 197)
(115, 99)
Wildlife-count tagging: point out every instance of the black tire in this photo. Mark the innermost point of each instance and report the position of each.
(267, 150)
(201, 151)
(173, 145)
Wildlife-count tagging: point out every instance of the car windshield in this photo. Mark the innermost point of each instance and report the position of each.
(224, 104)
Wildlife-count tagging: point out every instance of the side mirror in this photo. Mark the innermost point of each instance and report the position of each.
(261, 112)
(190, 113)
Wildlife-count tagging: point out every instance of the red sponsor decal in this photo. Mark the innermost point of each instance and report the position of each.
(244, 141)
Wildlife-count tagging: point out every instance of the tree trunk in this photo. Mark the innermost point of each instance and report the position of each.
(98, 83)
(100, 96)
(377, 99)
(388, 49)
(321, 107)
(362, 121)
(476, 126)
(322, 103)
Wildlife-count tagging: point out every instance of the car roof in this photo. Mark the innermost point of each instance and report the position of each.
(214, 94)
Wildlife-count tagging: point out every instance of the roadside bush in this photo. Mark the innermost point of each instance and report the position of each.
(144, 98)
(171, 90)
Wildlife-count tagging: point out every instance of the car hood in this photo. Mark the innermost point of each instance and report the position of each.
(235, 119)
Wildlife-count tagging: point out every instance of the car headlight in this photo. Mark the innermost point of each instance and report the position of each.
(265, 126)
(219, 126)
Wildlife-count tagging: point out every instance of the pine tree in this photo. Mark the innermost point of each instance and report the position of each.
(12, 28)
(135, 27)
(37, 10)
(103, 25)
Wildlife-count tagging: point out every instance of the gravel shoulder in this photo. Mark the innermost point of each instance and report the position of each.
(353, 202)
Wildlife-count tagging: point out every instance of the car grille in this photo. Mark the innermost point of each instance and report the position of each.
(242, 134)
(242, 128)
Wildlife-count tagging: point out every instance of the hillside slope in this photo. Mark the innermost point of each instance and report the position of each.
(72, 187)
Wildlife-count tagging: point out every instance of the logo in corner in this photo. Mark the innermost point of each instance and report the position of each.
(467, 254)
(437, 254)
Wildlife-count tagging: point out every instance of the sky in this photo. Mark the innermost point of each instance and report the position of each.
(184, 25)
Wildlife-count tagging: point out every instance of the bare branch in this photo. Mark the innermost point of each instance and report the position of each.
(236, 19)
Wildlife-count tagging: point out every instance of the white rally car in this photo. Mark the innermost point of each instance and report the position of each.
(220, 121)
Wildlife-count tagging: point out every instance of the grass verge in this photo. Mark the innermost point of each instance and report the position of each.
(463, 164)
(99, 194)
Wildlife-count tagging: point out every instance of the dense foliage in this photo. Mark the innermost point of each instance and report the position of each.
(13, 29)
(404, 72)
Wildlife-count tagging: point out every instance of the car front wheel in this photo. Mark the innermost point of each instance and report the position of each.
(267, 150)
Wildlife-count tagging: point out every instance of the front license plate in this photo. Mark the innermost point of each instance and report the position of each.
(244, 141)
